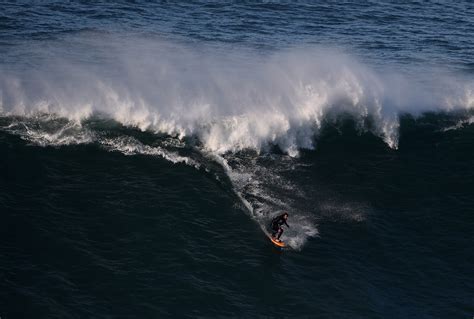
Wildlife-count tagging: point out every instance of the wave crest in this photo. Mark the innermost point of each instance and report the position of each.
(230, 100)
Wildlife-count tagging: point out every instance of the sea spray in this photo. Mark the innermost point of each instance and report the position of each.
(230, 100)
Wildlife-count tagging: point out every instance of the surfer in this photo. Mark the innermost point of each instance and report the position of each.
(277, 224)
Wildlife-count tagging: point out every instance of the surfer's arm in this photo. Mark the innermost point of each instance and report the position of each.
(287, 224)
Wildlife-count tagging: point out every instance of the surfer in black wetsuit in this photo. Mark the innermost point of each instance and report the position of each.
(277, 224)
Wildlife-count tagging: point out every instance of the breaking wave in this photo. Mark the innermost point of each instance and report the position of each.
(234, 105)
(231, 100)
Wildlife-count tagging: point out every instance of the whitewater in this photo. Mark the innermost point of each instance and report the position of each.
(231, 100)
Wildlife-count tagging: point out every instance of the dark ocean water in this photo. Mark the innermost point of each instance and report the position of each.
(144, 148)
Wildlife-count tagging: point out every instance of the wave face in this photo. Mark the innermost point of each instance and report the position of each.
(125, 201)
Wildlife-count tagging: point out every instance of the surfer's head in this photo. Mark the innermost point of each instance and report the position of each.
(285, 215)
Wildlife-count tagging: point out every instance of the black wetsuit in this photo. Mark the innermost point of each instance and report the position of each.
(277, 222)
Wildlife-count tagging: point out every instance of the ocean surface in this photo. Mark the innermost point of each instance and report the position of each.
(146, 146)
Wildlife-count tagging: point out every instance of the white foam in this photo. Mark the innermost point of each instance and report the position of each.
(336, 209)
(460, 124)
(230, 99)
(130, 146)
(43, 131)
(47, 130)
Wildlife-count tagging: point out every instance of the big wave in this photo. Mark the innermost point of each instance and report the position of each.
(231, 99)
(231, 103)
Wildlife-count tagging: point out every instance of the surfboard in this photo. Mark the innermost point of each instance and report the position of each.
(277, 243)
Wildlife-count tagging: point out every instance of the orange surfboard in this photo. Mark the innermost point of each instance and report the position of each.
(277, 243)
